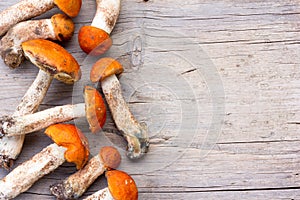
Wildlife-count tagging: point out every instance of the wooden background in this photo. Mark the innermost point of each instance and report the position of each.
(216, 81)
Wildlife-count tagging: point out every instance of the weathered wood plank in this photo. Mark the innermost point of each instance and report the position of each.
(238, 139)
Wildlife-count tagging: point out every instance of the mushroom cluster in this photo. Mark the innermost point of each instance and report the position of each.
(26, 38)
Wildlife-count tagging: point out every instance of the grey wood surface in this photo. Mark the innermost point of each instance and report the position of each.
(216, 81)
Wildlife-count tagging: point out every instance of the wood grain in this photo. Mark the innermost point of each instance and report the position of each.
(218, 84)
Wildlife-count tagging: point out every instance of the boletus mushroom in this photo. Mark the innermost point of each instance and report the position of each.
(69, 145)
(104, 70)
(75, 185)
(93, 109)
(27, 9)
(94, 39)
(121, 186)
(59, 27)
(54, 62)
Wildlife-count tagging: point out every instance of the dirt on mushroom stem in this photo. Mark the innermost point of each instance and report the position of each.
(21, 11)
(10, 147)
(135, 133)
(76, 184)
(26, 174)
(59, 27)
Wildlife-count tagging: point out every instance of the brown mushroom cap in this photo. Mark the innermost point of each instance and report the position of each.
(70, 7)
(63, 27)
(70, 137)
(53, 59)
(104, 68)
(121, 185)
(94, 108)
(94, 41)
(110, 156)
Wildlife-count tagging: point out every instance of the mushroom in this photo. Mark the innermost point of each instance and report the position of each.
(76, 184)
(95, 39)
(53, 61)
(121, 186)
(104, 70)
(69, 145)
(59, 27)
(27, 9)
(94, 109)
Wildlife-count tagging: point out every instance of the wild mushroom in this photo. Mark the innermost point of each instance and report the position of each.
(69, 145)
(121, 186)
(76, 184)
(104, 70)
(59, 27)
(95, 39)
(27, 9)
(53, 61)
(93, 109)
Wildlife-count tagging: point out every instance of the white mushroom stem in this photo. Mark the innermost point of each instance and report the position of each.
(106, 14)
(21, 125)
(10, 147)
(76, 184)
(26, 174)
(21, 11)
(103, 194)
(135, 133)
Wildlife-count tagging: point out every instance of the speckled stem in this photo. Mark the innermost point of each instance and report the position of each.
(25, 175)
(107, 14)
(10, 147)
(135, 133)
(103, 194)
(76, 184)
(21, 125)
(10, 44)
(21, 11)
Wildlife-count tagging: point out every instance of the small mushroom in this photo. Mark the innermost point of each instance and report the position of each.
(95, 39)
(93, 109)
(104, 70)
(69, 145)
(121, 186)
(27, 9)
(53, 61)
(59, 27)
(75, 185)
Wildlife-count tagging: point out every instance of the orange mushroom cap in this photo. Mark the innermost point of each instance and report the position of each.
(63, 27)
(121, 185)
(53, 59)
(94, 108)
(105, 67)
(70, 7)
(70, 137)
(93, 41)
(110, 156)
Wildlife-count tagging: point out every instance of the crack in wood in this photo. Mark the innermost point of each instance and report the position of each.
(189, 71)
(255, 142)
(227, 190)
(297, 123)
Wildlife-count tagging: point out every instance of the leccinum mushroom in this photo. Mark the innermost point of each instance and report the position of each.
(95, 39)
(76, 184)
(59, 27)
(27, 9)
(104, 70)
(70, 145)
(94, 109)
(53, 61)
(121, 186)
